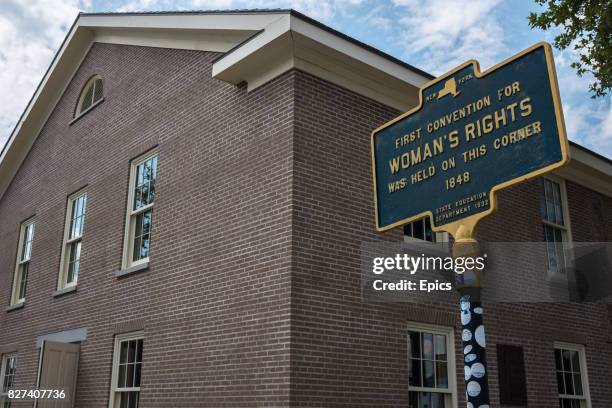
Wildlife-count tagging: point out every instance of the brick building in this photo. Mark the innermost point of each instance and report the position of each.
(182, 206)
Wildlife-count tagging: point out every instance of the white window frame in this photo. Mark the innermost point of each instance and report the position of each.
(131, 214)
(65, 258)
(15, 299)
(5, 357)
(114, 391)
(91, 83)
(583, 371)
(566, 230)
(450, 393)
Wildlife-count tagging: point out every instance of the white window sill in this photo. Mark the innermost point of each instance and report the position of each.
(85, 112)
(16, 306)
(64, 291)
(132, 270)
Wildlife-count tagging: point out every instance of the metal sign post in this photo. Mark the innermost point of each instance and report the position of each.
(472, 134)
(472, 326)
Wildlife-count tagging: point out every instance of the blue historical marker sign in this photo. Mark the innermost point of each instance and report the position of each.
(472, 134)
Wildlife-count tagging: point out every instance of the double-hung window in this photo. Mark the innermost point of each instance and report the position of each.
(554, 218)
(73, 237)
(571, 376)
(7, 378)
(139, 221)
(24, 254)
(127, 368)
(431, 373)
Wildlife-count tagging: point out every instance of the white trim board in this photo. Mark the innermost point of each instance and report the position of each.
(67, 336)
(294, 43)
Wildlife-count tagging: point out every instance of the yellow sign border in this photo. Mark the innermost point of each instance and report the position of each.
(464, 228)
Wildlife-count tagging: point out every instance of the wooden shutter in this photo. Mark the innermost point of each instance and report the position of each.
(511, 370)
(59, 363)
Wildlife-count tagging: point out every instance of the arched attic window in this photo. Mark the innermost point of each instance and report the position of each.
(92, 93)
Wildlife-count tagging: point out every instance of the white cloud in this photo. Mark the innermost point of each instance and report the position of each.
(375, 19)
(323, 10)
(30, 34)
(590, 124)
(150, 5)
(446, 33)
(588, 121)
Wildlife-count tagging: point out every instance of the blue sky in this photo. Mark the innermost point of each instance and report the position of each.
(434, 35)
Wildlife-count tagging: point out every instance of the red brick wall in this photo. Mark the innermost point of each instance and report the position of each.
(215, 303)
(591, 220)
(590, 214)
